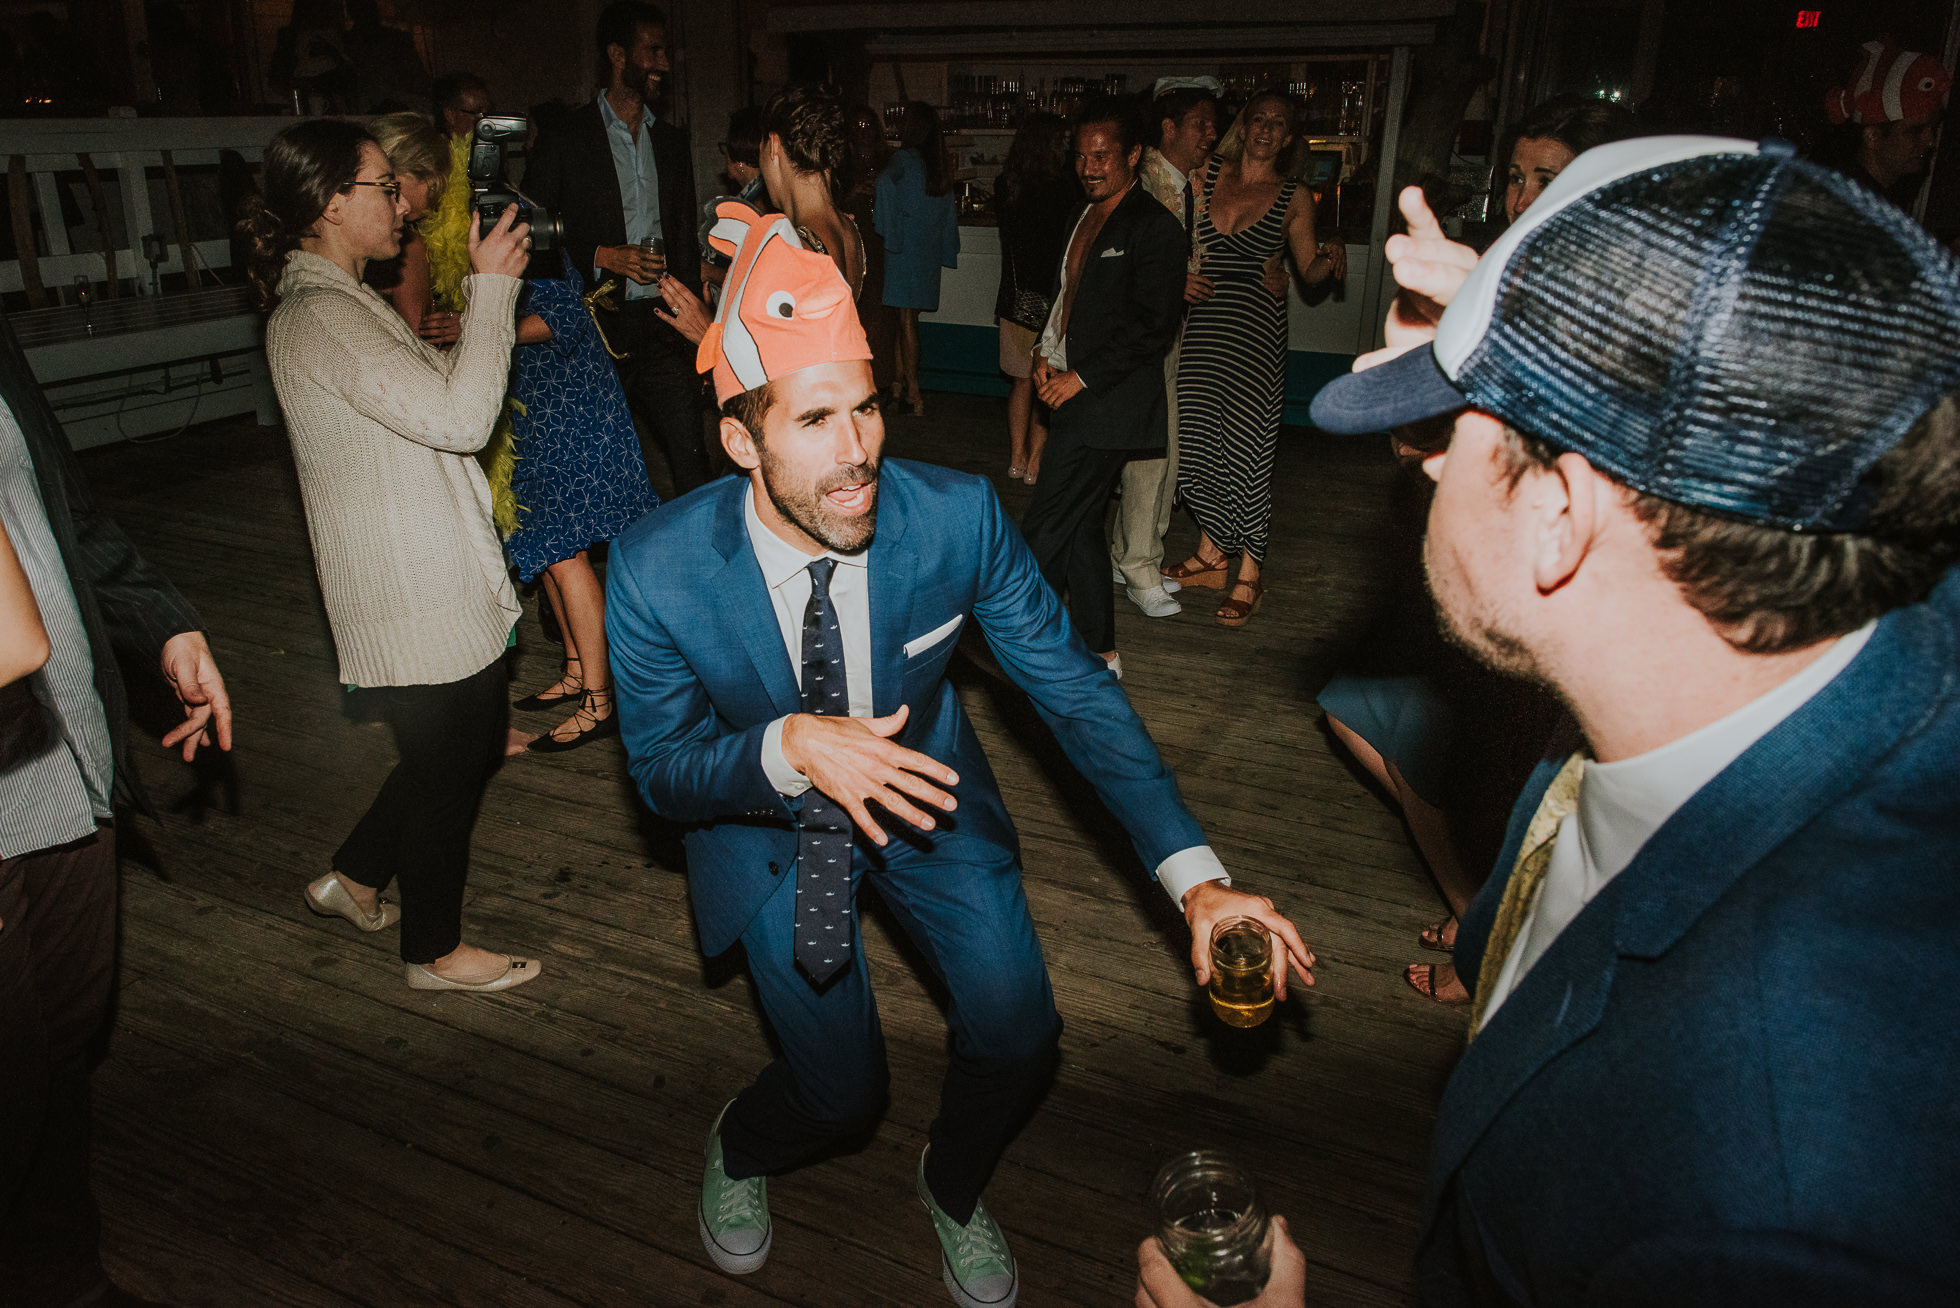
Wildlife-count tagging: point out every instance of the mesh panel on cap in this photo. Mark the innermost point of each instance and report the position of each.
(1744, 333)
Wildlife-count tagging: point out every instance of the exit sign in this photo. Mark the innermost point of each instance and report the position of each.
(1808, 17)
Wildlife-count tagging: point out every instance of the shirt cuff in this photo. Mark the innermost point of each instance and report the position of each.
(790, 783)
(1176, 874)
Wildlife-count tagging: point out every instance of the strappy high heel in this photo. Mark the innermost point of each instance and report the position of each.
(592, 726)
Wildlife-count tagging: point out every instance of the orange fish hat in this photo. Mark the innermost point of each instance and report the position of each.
(1889, 85)
(783, 308)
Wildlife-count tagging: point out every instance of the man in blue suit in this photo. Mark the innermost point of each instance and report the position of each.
(785, 696)
(1704, 481)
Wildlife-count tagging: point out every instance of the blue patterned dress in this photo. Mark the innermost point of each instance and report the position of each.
(579, 477)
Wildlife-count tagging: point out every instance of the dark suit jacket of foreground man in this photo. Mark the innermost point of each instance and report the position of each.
(1735, 1077)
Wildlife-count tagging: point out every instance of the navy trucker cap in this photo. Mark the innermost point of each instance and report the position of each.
(1714, 322)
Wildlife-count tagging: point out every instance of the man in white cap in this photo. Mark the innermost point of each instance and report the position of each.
(783, 694)
(1704, 483)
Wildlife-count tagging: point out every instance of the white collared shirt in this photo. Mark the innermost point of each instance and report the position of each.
(786, 572)
(1621, 805)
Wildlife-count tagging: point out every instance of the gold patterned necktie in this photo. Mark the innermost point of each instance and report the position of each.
(1527, 879)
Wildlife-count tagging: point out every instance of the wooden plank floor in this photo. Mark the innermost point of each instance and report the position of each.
(282, 1121)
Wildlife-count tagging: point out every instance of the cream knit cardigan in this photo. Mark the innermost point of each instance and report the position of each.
(383, 427)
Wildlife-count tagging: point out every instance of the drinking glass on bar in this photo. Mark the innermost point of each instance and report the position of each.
(1212, 1226)
(1241, 972)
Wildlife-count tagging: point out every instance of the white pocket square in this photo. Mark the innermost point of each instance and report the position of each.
(933, 637)
(1113, 254)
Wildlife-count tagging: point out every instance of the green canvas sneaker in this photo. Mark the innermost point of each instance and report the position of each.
(734, 1214)
(979, 1269)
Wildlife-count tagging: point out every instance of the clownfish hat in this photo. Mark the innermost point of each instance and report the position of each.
(1889, 85)
(783, 307)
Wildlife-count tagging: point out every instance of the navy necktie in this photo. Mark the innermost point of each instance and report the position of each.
(823, 840)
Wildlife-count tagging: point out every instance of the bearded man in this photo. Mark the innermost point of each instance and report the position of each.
(784, 694)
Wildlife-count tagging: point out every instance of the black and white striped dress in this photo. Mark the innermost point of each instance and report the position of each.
(1231, 381)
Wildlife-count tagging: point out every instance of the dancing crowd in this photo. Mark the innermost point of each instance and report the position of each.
(1684, 444)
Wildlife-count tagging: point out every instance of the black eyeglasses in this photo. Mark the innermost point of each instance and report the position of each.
(393, 190)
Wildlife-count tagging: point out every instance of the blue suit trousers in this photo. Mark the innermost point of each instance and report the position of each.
(970, 922)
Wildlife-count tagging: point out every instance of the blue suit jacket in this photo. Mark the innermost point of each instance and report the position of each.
(701, 672)
(1735, 1078)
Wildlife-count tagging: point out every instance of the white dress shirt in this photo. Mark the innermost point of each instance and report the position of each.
(1621, 805)
(786, 572)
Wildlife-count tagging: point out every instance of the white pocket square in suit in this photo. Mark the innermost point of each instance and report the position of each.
(933, 637)
(1113, 254)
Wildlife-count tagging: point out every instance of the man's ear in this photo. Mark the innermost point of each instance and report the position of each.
(616, 59)
(1565, 501)
(740, 445)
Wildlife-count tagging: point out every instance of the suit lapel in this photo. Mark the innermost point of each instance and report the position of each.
(739, 591)
(1777, 786)
(892, 570)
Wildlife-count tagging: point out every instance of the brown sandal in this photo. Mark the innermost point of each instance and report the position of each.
(1235, 612)
(1432, 936)
(1194, 571)
(1450, 992)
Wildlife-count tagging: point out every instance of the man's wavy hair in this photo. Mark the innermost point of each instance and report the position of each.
(1769, 589)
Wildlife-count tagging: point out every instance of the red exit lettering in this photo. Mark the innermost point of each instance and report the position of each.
(1808, 17)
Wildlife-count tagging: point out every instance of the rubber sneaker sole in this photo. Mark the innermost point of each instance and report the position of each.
(742, 1264)
(965, 1300)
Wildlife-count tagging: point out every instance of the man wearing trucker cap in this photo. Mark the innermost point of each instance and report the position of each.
(1704, 483)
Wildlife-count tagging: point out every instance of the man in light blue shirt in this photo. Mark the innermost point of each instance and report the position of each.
(618, 177)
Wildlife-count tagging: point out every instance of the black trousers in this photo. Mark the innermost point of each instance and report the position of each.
(1064, 527)
(662, 389)
(417, 831)
(57, 979)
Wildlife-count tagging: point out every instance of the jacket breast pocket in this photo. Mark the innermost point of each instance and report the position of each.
(926, 655)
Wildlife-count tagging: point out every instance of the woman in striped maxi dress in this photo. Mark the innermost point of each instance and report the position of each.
(1231, 376)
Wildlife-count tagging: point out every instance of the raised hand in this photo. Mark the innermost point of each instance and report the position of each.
(1430, 268)
(505, 249)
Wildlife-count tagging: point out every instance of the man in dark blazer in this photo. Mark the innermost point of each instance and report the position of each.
(617, 175)
(1119, 299)
(785, 696)
(65, 771)
(1704, 481)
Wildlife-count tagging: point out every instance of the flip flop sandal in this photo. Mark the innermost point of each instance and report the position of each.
(1427, 986)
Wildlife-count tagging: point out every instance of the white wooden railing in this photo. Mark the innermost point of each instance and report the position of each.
(118, 359)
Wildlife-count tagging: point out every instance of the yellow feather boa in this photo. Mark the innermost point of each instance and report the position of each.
(446, 232)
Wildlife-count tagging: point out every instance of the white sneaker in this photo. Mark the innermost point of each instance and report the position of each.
(1115, 665)
(1116, 577)
(1155, 602)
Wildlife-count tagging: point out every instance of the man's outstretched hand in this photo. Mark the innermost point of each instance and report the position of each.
(854, 760)
(193, 675)
(1211, 902)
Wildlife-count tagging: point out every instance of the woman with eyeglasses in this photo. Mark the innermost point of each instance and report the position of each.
(383, 427)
